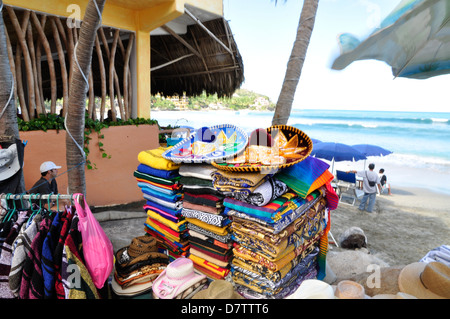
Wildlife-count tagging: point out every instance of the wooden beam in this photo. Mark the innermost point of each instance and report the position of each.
(176, 36)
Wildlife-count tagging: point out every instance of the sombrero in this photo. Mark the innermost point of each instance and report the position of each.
(207, 144)
(283, 146)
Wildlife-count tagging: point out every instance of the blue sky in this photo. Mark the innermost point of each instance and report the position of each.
(265, 33)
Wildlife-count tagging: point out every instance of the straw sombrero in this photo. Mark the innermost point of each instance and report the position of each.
(207, 144)
(281, 147)
(426, 280)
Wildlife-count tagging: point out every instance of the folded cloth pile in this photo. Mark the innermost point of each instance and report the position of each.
(210, 240)
(277, 244)
(159, 181)
(137, 266)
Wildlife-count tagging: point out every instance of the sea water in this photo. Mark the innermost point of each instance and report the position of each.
(420, 141)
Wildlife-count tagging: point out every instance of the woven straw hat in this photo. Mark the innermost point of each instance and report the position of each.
(347, 289)
(425, 280)
(313, 289)
(218, 289)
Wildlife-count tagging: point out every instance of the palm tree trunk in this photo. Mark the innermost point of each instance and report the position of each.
(77, 97)
(295, 63)
(8, 112)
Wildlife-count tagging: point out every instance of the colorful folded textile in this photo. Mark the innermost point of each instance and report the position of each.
(171, 205)
(154, 159)
(203, 199)
(196, 235)
(160, 190)
(220, 271)
(165, 197)
(222, 257)
(275, 264)
(171, 214)
(173, 249)
(281, 220)
(166, 231)
(266, 287)
(156, 179)
(271, 189)
(209, 258)
(203, 208)
(222, 238)
(249, 293)
(202, 171)
(255, 237)
(225, 181)
(210, 219)
(162, 173)
(267, 232)
(201, 189)
(306, 176)
(178, 227)
(222, 231)
(210, 246)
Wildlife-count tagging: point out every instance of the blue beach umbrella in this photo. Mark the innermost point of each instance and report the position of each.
(371, 150)
(336, 152)
(413, 39)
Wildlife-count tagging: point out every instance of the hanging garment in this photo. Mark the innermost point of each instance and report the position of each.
(58, 253)
(47, 260)
(22, 246)
(6, 255)
(79, 285)
(32, 284)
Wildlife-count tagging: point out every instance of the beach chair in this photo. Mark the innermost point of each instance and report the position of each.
(348, 187)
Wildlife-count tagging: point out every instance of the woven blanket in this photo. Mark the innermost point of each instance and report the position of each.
(154, 159)
(162, 173)
(306, 176)
(211, 219)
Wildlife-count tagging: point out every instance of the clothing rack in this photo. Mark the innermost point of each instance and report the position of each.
(48, 197)
(36, 196)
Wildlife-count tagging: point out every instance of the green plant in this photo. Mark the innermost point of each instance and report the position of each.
(46, 122)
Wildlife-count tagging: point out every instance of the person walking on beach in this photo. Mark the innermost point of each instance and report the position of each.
(370, 182)
(383, 182)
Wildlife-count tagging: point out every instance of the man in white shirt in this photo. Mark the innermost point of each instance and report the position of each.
(370, 181)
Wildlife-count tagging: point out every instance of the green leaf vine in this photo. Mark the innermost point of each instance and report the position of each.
(46, 122)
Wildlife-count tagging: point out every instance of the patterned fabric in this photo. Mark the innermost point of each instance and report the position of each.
(6, 255)
(222, 231)
(271, 189)
(83, 287)
(211, 219)
(21, 250)
(222, 238)
(266, 287)
(220, 271)
(281, 218)
(230, 182)
(306, 176)
(32, 284)
(248, 293)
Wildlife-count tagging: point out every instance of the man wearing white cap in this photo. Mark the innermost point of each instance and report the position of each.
(47, 183)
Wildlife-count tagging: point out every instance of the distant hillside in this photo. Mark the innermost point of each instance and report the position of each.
(241, 99)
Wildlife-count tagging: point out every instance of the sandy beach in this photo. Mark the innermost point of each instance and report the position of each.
(403, 227)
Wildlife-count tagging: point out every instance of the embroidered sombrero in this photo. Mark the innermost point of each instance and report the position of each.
(278, 146)
(207, 144)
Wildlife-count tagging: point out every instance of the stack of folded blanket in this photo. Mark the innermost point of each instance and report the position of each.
(159, 181)
(277, 240)
(209, 227)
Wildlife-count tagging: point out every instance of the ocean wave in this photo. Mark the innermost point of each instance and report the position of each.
(334, 117)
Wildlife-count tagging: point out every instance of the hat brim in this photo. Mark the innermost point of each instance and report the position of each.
(132, 290)
(12, 168)
(409, 282)
(176, 287)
